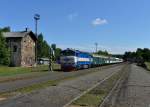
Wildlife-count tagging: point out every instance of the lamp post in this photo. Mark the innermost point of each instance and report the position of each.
(36, 18)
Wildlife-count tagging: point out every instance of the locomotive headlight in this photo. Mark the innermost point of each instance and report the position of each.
(75, 59)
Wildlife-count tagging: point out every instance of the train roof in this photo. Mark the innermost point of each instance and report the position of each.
(101, 56)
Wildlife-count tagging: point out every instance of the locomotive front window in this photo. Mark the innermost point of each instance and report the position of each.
(68, 53)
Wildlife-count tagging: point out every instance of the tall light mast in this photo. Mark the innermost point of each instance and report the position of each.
(36, 18)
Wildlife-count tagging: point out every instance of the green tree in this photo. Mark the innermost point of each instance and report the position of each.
(4, 51)
(139, 52)
(46, 49)
(42, 47)
(146, 54)
(5, 29)
(57, 53)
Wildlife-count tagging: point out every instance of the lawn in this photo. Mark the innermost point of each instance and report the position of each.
(11, 71)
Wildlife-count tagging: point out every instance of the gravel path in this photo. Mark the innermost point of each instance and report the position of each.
(13, 85)
(57, 96)
(135, 90)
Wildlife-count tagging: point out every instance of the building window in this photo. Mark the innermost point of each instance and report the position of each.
(15, 49)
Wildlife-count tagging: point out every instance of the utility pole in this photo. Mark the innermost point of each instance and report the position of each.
(36, 18)
(96, 45)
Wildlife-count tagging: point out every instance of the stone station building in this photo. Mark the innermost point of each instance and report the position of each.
(22, 47)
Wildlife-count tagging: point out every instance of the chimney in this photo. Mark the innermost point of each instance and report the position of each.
(26, 29)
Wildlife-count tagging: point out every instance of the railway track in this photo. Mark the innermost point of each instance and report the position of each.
(108, 101)
(88, 90)
(64, 92)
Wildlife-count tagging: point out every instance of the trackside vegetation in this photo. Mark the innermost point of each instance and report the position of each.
(12, 71)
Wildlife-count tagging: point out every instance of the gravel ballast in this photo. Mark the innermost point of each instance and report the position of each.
(134, 91)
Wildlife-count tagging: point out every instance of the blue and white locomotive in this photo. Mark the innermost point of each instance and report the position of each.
(75, 59)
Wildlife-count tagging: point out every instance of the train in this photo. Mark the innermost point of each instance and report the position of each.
(72, 59)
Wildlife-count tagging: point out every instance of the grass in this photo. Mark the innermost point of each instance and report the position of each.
(37, 86)
(29, 88)
(147, 65)
(96, 96)
(8, 71)
(89, 100)
(11, 71)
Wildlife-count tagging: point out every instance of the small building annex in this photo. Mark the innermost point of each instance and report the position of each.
(22, 47)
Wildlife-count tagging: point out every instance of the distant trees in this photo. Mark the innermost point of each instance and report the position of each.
(100, 52)
(4, 51)
(138, 56)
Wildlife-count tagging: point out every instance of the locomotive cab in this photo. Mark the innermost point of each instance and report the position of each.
(74, 59)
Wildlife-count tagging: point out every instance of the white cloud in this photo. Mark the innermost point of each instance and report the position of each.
(72, 16)
(99, 21)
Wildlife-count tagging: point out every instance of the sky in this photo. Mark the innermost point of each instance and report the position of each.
(116, 25)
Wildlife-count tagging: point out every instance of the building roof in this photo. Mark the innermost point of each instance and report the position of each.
(19, 34)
